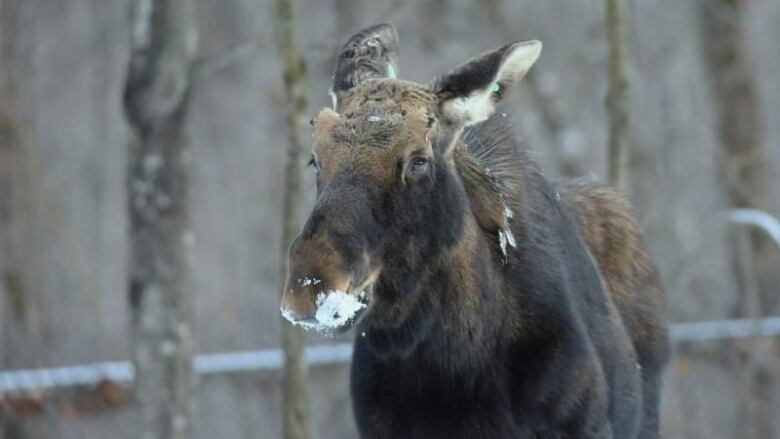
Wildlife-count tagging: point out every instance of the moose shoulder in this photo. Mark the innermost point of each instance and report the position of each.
(491, 302)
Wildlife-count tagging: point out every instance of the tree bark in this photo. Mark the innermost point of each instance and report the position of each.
(295, 394)
(19, 322)
(164, 45)
(11, 303)
(743, 158)
(617, 96)
(744, 153)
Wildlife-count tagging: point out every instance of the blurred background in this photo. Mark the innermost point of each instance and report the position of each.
(704, 136)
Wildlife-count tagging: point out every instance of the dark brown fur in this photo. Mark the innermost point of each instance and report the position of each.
(603, 216)
(605, 219)
(557, 333)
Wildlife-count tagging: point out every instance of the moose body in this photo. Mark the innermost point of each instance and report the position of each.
(490, 302)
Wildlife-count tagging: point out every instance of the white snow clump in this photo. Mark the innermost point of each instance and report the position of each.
(334, 309)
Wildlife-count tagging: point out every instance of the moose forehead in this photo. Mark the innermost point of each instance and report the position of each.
(393, 95)
(380, 118)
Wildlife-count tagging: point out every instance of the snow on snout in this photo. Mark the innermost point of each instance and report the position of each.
(307, 281)
(334, 309)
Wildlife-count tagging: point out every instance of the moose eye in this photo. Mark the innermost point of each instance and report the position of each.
(314, 165)
(418, 166)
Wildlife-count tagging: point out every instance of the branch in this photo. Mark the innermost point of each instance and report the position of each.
(617, 96)
(211, 65)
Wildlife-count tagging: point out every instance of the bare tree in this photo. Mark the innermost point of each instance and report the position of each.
(617, 96)
(18, 309)
(10, 278)
(164, 45)
(9, 274)
(744, 154)
(744, 175)
(295, 376)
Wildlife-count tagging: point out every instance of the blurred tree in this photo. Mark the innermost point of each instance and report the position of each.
(157, 88)
(617, 96)
(295, 376)
(743, 160)
(568, 162)
(743, 150)
(16, 316)
(9, 156)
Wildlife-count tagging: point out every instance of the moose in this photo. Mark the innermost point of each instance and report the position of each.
(488, 301)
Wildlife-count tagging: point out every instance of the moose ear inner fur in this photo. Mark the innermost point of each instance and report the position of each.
(469, 94)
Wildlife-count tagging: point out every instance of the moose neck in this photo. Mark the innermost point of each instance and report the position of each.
(458, 305)
(470, 304)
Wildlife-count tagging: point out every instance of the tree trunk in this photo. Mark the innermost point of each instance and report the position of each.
(743, 170)
(617, 96)
(295, 394)
(164, 44)
(19, 322)
(568, 163)
(744, 153)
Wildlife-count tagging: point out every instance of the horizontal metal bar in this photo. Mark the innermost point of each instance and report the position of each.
(17, 381)
(268, 359)
(725, 329)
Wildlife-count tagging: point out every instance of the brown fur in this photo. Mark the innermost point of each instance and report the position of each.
(515, 307)
(492, 173)
(383, 121)
(607, 223)
(327, 268)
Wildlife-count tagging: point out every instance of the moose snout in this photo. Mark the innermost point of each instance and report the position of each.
(319, 290)
(301, 294)
(315, 303)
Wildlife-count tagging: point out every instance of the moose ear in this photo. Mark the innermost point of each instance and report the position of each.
(468, 94)
(371, 53)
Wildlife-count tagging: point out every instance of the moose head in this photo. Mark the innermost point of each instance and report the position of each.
(390, 197)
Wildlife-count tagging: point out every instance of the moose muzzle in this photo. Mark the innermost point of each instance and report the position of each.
(320, 293)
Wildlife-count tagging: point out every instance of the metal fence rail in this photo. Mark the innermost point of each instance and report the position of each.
(725, 329)
(19, 381)
(27, 380)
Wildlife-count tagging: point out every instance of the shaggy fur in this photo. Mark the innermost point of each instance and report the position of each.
(465, 335)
